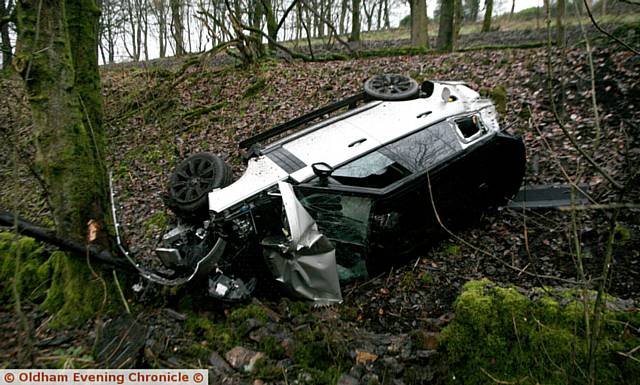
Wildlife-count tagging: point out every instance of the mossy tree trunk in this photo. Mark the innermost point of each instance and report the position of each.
(486, 24)
(177, 26)
(446, 31)
(419, 24)
(355, 21)
(56, 55)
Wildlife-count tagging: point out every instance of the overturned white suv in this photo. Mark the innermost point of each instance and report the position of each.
(339, 198)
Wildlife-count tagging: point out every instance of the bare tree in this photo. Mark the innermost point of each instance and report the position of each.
(177, 26)
(419, 23)
(486, 24)
(110, 22)
(160, 10)
(355, 21)
(5, 42)
(560, 30)
(446, 31)
(344, 5)
(472, 7)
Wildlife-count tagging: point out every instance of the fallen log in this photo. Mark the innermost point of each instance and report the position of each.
(49, 236)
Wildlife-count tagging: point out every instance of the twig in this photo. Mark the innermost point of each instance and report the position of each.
(124, 300)
(558, 120)
(495, 380)
(595, 24)
(606, 206)
(555, 158)
(459, 239)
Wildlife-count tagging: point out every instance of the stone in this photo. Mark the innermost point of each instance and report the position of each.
(241, 358)
(218, 364)
(346, 379)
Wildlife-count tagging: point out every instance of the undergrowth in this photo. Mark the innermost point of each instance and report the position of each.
(499, 334)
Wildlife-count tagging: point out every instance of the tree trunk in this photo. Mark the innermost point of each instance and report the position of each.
(63, 85)
(474, 6)
(419, 24)
(343, 15)
(560, 12)
(355, 21)
(486, 24)
(458, 17)
(387, 24)
(177, 27)
(272, 23)
(446, 31)
(5, 42)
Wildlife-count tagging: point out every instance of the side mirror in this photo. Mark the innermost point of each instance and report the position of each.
(322, 171)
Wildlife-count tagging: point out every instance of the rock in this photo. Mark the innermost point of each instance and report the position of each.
(425, 354)
(218, 364)
(243, 359)
(346, 379)
(288, 344)
(391, 365)
(370, 379)
(427, 340)
(250, 325)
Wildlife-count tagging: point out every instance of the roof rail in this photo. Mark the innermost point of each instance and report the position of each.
(306, 118)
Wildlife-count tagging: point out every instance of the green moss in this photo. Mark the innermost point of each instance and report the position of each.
(28, 281)
(196, 352)
(220, 335)
(517, 339)
(621, 234)
(157, 221)
(258, 85)
(272, 347)
(499, 97)
(451, 249)
(74, 295)
(202, 110)
(61, 284)
(321, 352)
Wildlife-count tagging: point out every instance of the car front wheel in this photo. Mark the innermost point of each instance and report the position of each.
(193, 179)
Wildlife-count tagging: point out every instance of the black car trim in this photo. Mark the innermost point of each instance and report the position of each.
(306, 118)
(410, 180)
(286, 160)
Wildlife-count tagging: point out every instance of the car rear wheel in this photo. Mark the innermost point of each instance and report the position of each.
(391, 87)
(193, 179)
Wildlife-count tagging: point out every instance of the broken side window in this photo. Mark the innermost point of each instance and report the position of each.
(344, 220)
(469, 127)
(374, 170)
(427, 147)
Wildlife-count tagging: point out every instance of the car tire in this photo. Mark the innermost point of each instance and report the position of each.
(192, 181)
(391, 87)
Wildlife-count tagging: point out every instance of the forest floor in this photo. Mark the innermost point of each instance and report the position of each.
(158, 114)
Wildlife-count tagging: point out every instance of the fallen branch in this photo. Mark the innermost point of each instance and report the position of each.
(49, 236)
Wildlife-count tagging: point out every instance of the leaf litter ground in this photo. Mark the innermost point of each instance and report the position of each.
(156, 116)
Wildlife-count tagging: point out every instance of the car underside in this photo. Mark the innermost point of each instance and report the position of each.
(343, 198)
